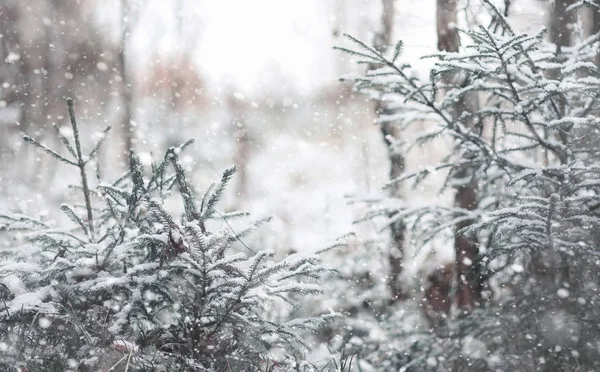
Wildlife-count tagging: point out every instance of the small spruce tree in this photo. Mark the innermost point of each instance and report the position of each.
(132, 287)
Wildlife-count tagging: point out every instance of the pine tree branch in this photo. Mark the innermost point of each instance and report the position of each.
(48, 150)
(98, 144)
(81, 164)
(64, 140)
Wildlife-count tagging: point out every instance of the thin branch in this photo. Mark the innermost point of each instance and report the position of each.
(81, 164)
(48, 150)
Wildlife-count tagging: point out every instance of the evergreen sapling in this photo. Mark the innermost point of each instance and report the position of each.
(131, 287)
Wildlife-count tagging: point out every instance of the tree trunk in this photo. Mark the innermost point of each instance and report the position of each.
(560, 23)
(596, 29)
(177, 63)
(126, 85)
(559, 30)
(437, 295)
(243, 149)
(466, 249)
(389, 131)
(446, 17)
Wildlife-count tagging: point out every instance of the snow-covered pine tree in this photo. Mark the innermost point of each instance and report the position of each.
(132, 287)
(532, 144)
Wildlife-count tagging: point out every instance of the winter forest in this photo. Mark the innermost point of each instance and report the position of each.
(300, 185)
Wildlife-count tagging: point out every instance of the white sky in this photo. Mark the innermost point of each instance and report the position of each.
(279, 42)
(244, 40)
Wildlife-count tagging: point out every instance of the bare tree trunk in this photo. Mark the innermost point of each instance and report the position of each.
(47, 69)
(18, 73)
(11, 46)
(560, 23)
(560, 27)
(389, 131)
(596, 29)
(559, 31)
(177, 62)
(17, 53)
(446, 14)
(243, 149)
(340, 23)
(437, 295)
(126, 84)
(10, 72)
(242, 157)
(466, 249)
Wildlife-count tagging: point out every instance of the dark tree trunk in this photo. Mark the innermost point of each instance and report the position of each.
(390, 132)
(446, 16)
(178, 63)
(466, 249)
(561, 23)
(437, 295)
(596, 29)
(243, 149)
(559, 30)
(22, 90)
(126, 84)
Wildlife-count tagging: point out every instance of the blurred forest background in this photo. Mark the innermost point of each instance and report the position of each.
(256, 83)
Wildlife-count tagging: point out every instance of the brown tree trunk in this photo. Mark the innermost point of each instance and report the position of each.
(437, 295)
(389, 131)
(468, 270)
(466, 249)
